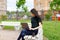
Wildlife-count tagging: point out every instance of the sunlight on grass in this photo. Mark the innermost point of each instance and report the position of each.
(52, 30)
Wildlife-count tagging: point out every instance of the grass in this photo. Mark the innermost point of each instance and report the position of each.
(18, 20)
(8, 28)
(51, 30)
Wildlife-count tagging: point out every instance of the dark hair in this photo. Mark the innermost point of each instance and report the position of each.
(35, 12)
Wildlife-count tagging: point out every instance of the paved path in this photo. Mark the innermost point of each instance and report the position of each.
(8, 35)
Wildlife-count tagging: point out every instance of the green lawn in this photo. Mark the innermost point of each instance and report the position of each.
(51, 30)
(9, 28)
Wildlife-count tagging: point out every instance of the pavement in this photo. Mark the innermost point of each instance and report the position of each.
(10, 35)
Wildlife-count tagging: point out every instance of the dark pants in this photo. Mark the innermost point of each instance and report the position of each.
(26, 32)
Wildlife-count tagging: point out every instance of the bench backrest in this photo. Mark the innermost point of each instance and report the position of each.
(10, 23)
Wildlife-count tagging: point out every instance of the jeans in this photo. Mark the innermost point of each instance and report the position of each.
(26, 32)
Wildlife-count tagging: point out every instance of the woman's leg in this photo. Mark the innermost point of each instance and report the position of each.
(32, 32)
(29, 32)
(26, 32)
(22, 34)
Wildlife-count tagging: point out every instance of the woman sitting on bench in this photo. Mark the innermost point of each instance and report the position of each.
(36, 22)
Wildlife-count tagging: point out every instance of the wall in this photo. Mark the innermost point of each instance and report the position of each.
(3, 7)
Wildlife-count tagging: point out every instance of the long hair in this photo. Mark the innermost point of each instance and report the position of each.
(35, 12)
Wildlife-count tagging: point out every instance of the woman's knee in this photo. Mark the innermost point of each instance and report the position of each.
(23, 33)
(24, 30)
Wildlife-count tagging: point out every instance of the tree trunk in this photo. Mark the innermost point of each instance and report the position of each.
(17, 15)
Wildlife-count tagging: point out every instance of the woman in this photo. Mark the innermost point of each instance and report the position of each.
(36, 22)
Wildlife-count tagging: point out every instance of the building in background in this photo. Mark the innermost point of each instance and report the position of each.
(3, 7)
(42, 5)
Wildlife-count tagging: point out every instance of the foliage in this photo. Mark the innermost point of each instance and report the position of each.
(55, 5)
(28, 14)
(8, 13)
(24, 13)
(25, 8)
(3, 17)
(20, 3)
(48, 15)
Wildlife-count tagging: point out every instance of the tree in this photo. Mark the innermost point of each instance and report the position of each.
(25, 8)
(19, 4)
(55, 5)
(8, 13)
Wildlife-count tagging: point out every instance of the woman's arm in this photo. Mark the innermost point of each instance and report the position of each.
(40, 25)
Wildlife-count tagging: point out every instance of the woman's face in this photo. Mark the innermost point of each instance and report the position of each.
(32, 15)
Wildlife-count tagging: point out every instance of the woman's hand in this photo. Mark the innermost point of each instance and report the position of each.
(40, 25)
(31, 29)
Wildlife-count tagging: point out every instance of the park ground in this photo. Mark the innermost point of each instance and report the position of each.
(51, 31)
(8, 35)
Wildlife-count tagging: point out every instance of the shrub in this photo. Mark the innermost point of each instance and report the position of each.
(48, 15)
(3, 17)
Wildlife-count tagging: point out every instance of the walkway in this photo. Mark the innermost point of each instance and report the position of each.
(10, 35)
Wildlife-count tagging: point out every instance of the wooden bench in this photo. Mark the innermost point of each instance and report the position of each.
(15, 24)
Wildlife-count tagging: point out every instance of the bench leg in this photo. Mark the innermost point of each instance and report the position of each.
(1, 27)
